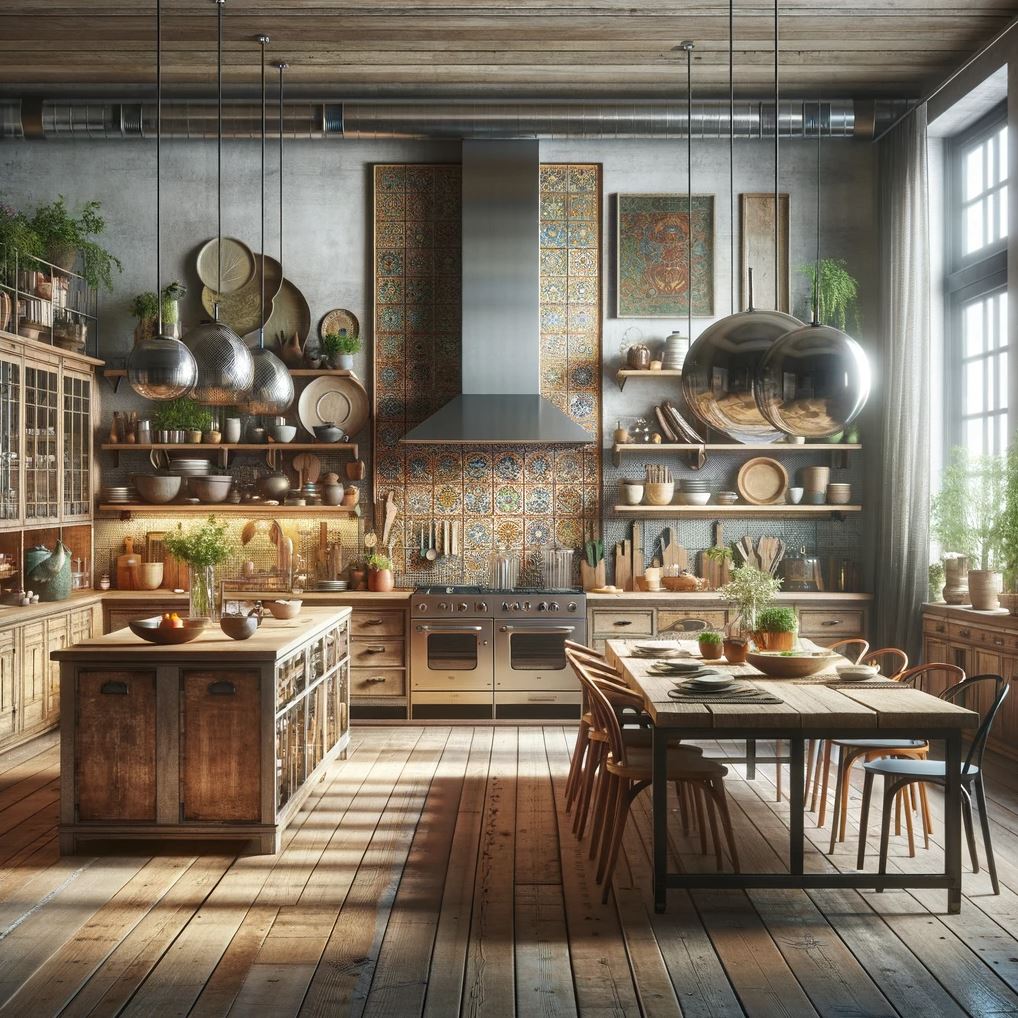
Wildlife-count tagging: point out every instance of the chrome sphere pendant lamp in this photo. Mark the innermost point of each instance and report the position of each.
(719, 375)
(160, 367)
(814, 381)
(272, 390)
(225, 364)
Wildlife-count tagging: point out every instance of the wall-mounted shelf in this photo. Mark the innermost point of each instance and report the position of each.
(624, 374)
(115, 375)
(224, 449)
(697, 453)
(127, 510)
(706, 512)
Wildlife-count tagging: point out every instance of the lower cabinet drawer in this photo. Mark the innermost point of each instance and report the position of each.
(377, 682)
(620, 624)
(820, 623)
(935, 626)
(369, 624)
(671, 621)
(377, 654)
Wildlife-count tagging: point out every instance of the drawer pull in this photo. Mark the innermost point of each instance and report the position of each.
(222, 688)
(374, 650)
(940, 628)
(965, 632)
(832, 622)
(113, 688)
(373, 622)
(998, 641)
(623, 622)
(541, 699)
(375, 679)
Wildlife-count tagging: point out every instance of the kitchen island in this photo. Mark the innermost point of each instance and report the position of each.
(209, 740)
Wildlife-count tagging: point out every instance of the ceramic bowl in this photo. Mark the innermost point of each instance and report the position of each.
(283, 432)
(239, 627)
(782, 665)
(327, 433)
(857, 671)
(632, 494)
(210, 489)
(693, 497)
(149, 575)
(795, 495)
(157, 489)
(150, 630)
(284, 609)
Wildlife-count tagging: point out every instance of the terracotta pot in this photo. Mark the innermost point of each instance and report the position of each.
(774, 641)
(709, 651)
(736, 650)
(956, 576)
(381, 581)
(357, 579)
(984, 586)
(1009, 601)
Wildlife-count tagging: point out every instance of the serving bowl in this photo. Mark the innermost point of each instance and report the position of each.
(239, 627)
(283, 432)
(857, 671)
(285, 609)
(789, 665)
(150, 630)
(693, 497)
(213, 488)
(157, 489)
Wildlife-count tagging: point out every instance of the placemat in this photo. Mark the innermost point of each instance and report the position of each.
(833, 682)
(739, 693)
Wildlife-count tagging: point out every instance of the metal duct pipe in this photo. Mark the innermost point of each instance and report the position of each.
(55, 119)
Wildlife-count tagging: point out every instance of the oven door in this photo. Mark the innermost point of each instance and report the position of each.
(530, 654)
(452, 655)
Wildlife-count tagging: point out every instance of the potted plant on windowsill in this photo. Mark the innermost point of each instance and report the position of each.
(380, 578)
(710, 643)
(776, 628)
(1007, 533)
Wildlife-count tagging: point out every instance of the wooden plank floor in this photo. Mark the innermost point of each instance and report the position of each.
(434, 873)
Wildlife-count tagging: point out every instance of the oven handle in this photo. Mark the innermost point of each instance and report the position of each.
(538, 629)
(450, 629)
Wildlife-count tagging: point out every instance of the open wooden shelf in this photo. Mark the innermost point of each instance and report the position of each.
(713, 511)
(127, 510)
(700, 450)
(624, 374)
(224, 449)
(116, 374)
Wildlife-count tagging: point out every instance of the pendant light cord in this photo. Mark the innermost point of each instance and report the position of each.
(688, 47)
(731, 155)
(159, 163)
(777, 169)
(264, 41)
(219, 156)
(816, 270)
(282, 67)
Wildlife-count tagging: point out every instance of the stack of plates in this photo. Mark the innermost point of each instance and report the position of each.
(839, 494)
(727, 497)
(693, 674)
(657, 650)
(190, 467)
(674, 351)
(693, 491)
(333, 584)
(119, 494)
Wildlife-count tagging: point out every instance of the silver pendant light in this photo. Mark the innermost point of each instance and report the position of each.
(272, 390)
(814, 381)
(719, 375)
(225, 364)
(160, 367)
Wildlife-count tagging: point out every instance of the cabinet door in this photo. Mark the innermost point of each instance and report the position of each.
(56, 639)
(115, 746)
(42, 460)
(221, 746)
(8, 703)
(11, 439)
(34, 675)
(77, 450)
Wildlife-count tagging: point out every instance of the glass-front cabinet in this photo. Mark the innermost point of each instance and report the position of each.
(42, 459)
(11, 379)
(77, 451)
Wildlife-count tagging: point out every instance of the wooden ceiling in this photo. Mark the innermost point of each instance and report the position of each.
(465, 48)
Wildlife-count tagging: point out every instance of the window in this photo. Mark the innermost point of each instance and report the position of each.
(976, 333)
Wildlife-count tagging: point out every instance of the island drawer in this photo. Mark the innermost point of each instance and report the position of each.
(619, 624)
(378, 682)
(671, 621)
(823, 624)
(377, 654)
(369, 624)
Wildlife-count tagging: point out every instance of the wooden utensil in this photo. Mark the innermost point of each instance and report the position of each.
(391, 511)
(638, 562)
(715, 571)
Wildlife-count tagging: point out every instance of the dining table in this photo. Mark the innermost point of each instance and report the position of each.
(820, 706)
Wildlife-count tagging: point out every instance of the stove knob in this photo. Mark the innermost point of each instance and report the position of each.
(526, 606)
(515, 606)
(422, 607)
(572, 606)
(443, 607)
(505, 606)
(553, 606)
(543, 606)
(482, 606)
(462, 606)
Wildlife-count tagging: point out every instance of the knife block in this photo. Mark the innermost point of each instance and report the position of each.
(592, 577)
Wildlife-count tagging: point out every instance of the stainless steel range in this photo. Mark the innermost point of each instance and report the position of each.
(482, 653)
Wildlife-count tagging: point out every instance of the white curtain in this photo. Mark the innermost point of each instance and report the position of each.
(902, 494)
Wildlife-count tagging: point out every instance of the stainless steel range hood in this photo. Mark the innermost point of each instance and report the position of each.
(501, 349)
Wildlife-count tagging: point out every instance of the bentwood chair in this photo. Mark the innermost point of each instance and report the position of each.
(627, 771)
(851, 750)
(901, 773)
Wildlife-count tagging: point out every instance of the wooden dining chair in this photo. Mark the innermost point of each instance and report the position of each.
(628, 770)
(690, 626)
(851, 750)
(899, 773)
(854, 649)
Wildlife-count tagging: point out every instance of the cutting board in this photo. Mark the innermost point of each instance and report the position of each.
(623, 566)
(716, 573)
(638, 561)
(673, 554)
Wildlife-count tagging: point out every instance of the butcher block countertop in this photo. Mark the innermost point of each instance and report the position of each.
(274, 639)
(708, 596)
(353, 597)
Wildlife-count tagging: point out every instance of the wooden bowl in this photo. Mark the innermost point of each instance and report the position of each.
(284, 609)
(658, 494)
(149, 630)
(789, 666)
(239, 627)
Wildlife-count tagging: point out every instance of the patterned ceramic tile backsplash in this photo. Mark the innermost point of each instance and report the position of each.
(526, 498)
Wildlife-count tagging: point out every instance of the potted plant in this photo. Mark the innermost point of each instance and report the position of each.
(749, 591)
(182, 420)
(204, 548)
(358, 574)
(17, 234)
(710, 641)
(380, 574)
(936, 581)
(736, 649)
(145, 308)
(339, 348)
(839, 293)
(776, 628)
(1007, 533)
(966, 520)
(66, 238)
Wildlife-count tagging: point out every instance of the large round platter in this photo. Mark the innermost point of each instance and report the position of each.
(340, 321)
(242, 309)
(334, 399)
(238, 264)
(290, 314)
(762, 481)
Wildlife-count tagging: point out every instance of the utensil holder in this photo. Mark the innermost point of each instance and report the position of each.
(658, 493)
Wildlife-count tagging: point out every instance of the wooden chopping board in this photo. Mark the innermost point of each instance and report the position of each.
(638, 560)
(673, 554)
(623, 566)
(716, 573)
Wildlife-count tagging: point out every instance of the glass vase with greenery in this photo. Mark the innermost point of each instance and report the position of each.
(145, 308)
(839, 293)
(204, 548)
(65, 238)
(749, 591)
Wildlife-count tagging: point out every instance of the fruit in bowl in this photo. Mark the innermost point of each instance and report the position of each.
(171, 620)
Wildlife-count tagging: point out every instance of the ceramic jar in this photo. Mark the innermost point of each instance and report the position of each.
(736, 650)
(984, 586)
(632, 492)
(231, 430)
(956, 585)
(638, 357)
(332, 494)
(380, 580)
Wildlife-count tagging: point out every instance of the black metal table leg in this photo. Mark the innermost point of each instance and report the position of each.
(796, 804)
(952, 820)
(751, 759)
(659, 791)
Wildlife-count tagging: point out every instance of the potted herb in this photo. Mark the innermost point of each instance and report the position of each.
(339, 348)
(380, 577)
(710, 642)
(145, 308)
(839, 293)
(66, 238)
(749, 591)
(182, 420)
(776, 628)
(204, 548)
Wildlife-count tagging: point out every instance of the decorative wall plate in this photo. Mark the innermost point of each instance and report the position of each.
(339, 320)
(241, 309)
(342, 401)
(762, 481)
(290, 314)
(239, 264)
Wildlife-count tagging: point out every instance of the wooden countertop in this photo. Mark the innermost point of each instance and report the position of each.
(999, 617)
(11, 615)
(274, 639)
(711, 596)
(353, 597)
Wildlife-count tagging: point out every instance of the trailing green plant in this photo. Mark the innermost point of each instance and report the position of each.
(710, 636)
(777, 620)
(839, 293)
(182, 415)
(968, 512)
(145, 308)
(750, 591)
(201, 547)
(58, 230)
(17, 234)
(378, 562)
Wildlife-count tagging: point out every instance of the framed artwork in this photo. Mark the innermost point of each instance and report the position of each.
(756, 212)
(653, 274)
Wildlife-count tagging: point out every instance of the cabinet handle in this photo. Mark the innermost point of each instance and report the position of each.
(113, 688)
(998, 641)
(374, 650)
(376, 679)
(965, 632)
(373, 622)
(623, 622)
(832, 622)
(222, 688)
(940, 628)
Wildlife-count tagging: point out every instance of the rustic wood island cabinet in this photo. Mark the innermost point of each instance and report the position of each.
(211, 739)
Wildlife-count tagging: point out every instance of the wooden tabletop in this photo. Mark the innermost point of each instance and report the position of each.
(805, 705)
